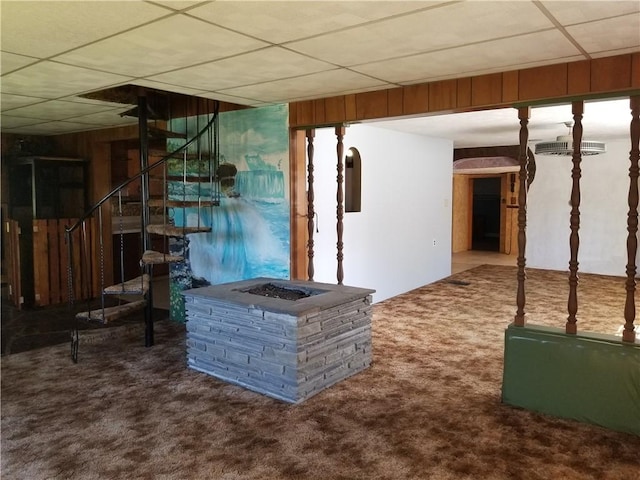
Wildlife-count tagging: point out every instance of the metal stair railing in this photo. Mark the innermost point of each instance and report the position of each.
(85, 240)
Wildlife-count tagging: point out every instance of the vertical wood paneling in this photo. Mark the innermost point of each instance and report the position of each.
(53, 231)
(635, 70)
(579, 77)
(12, 232)
(510, 86)
(305, 114)
(443, 95)
(334, 109)
(350, 108)
(395, 101)
(611, 73)
(297, 188)
(40, 262)
(486, 89)
(371, 105)
(318, 107)
(464, 92)
(293, 114)
(543, 82)
(415, 99)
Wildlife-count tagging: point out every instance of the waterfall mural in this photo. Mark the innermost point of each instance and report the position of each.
(250, 228)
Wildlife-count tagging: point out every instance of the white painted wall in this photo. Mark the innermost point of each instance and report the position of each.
(603, 212)
(406, 205)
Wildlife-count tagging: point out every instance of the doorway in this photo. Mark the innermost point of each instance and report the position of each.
(485, 224)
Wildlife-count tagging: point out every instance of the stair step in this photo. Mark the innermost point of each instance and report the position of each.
(111, 313)
(151, 257)
(159, 202)
(173, 231)
(135, 286)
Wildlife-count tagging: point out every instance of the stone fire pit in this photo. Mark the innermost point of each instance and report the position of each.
(287, 339)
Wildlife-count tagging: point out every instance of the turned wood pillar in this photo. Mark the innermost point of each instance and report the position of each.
(340, 130)
(577, 108)
(629, 334)
(310, 198)
(523, 114)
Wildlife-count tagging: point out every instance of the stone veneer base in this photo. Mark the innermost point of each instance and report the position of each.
(289, 350)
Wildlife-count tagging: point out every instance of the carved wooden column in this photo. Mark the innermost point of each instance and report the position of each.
(629, 334)
(340, 130)
(310, 198)
(577, 109)
(523, 114)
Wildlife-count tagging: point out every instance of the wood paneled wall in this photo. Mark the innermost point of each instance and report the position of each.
(589, 78)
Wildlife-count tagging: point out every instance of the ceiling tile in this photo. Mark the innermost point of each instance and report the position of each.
(184, 41)
(569, 13)
(178, 4)
(9, 101)
(506, 54)
(57, 128)
(11, 62)
(309, 86)
(167, 87)
(42, 29)
(596, 36)
(302, 19)
(434, 29)
(7, 121)
(110, 118)
(57, 110)
(264, 65)
(53, 80)
(230, 98)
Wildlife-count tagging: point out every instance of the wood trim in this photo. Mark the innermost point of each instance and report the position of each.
(298, 209)
(586, 78)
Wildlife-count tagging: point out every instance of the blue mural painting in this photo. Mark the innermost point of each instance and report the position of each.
(250, 227)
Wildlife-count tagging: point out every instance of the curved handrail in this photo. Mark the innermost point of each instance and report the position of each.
(163, 160)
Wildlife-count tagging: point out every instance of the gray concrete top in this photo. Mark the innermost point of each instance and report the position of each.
(322, 295)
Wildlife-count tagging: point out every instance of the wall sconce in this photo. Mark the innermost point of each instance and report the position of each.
(353, 181)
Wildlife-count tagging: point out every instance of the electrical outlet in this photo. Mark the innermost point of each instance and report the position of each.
(434, 242)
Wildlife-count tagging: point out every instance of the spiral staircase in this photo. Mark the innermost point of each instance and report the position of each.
(173, 189)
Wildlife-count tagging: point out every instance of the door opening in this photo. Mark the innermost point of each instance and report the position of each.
(485, 229)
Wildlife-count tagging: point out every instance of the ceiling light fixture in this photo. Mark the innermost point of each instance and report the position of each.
(563, 145)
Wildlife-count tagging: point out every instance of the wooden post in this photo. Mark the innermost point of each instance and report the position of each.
(629, 334)
(571, 327)
(523, 114)
(310, 197)
(340, 130)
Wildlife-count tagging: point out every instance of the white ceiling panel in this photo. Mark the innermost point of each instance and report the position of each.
(303, 19)
(434, 29)
(317, 85)
(596, 36)
(570, 13)
(264, 65)
(57, 110)
(8, 121)
(185, 41)
(107, 118)
(56, 128)
(178, 4)
(232, 98)
(506, 54)
(167, 87)
(54, 80)
(8, 101)
(43, 29)
(11, 62)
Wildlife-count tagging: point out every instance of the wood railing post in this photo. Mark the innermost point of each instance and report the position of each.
(340, 130)
(523, 114)
(310, 133)
(629, 334)
(577, 108)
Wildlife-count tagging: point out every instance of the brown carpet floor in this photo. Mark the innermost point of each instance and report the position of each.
(428, 408)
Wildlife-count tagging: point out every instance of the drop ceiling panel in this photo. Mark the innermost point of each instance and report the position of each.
(9, 101)
(8, 121)
(178, 4)
(264, 65)
(506, 54)
(167, 87)
(57, 110)
(434, 29)
(57, 128)
(303, 19)
(184, 41)
(569, 13)
(53, 80)
(43, 29)
(596, 36)
(11, 62)
(314, 85)
(110, 118)
(231, 98)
